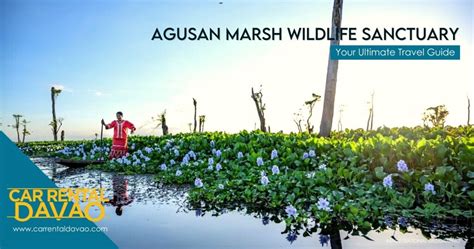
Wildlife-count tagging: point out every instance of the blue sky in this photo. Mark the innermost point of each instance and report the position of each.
(101, 52)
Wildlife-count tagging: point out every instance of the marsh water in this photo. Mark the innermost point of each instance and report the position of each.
(152, 216)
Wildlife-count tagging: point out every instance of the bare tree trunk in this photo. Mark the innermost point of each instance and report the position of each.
(468, 111)
(195, 114)
(336, 242)
(331, 77)
(53, 107)
(260, 110)
(62, 135)
(372, 112)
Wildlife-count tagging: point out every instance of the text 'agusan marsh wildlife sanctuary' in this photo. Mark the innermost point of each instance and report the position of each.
(306, 34)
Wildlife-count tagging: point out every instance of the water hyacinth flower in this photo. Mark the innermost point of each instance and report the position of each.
(218, 153)
(220, 186)
(402, 166)
(265, 220)
(292, 236)
(185, 159)
(210, 161)
(275, 170)
(274, 154)
(323, 204)
(262, 173)
(218, 166)
(430, 188)
(240, 155)
(210, 167)
(259, 161)
(402, 221)
(172, 162)
(163, 166)
(148, 150)
(291, 211)
(388, 221)
(212, 143)
(322, 166)
(387, 181)
(198, 183)
(323, 239)
(192, 155)
(176, 152)
(264, 180)
(312, 153)
(305, 155)
(178, 172)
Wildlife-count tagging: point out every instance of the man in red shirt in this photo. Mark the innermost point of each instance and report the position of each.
(119, 141)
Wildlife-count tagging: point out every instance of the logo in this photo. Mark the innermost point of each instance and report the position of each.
(57, 203)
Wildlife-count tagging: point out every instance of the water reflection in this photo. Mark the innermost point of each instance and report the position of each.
(144, 214)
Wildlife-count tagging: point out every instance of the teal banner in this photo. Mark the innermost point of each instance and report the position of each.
(28, 219)
(395, 52)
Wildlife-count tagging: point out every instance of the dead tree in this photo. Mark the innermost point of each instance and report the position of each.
(468, 111)
(298, 118)
(54, 123)
(370, 121)
(161, 121)
(202, 119)
(25, 131)
(16, 126)
(257, 98)
(195, 114)
(310, 104)
(339, 122)
(331, 76)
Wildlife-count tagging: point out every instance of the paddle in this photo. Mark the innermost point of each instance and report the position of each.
(102, 139)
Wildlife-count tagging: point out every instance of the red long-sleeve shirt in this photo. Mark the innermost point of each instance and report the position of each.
(120, 128)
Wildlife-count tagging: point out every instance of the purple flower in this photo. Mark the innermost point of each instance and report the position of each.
(291, 211)
(402, 166)
(323, 204)
(178, 172)
(240, 155)
(210, 161)
(172, 162)
(192, 155)
(275, 170)
(387, 181)
(210, 168)
(305, 155)
(265, 220)
(198, 183)
(274, 154)
(324, 239)
(220, 186)
(213, 143)
(185, 159)
(176, 152)
(218, 166)
(163, 166)
(259, 161)
(264, 180)
(218, 153)
(312, 153)
(402, 221)
(430, 188)
(388, 221)
(322, 166)
(292, 236)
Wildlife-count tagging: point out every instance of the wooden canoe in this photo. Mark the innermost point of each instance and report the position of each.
(78, 163)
